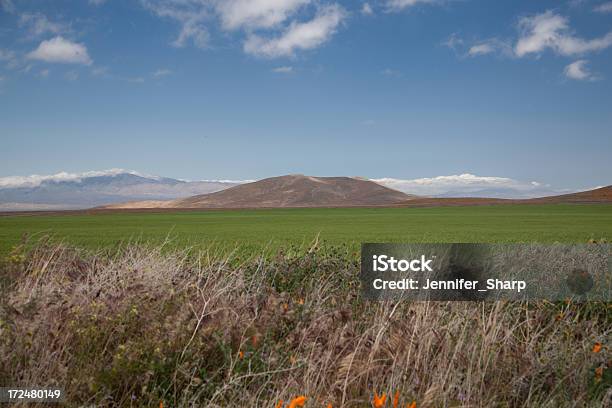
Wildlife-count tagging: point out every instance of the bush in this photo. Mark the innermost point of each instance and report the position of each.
(142, 326)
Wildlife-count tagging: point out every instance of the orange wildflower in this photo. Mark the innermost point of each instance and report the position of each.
(413, 405)
(279, 404)
(596, 347)
(329, 405)
(161, 404)
(241, 354)
(396, 399)
(379, 402)
(298, 402)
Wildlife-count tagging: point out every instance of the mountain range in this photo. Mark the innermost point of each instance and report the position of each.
(79, 191)
(300, 191)
(128, 189)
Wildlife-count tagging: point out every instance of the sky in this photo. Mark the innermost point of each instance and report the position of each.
(246, 89)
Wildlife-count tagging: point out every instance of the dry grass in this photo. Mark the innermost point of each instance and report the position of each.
(143, 326)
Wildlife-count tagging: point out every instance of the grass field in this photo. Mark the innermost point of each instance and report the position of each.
(146, 325)
(256, 229)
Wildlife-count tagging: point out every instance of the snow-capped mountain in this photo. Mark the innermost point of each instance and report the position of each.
(91, 189)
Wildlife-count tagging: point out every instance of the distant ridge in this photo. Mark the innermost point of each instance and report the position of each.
(597, 196)
(71, 191)
(297, 190)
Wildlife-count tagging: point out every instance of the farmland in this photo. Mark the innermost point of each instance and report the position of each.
(252, 230)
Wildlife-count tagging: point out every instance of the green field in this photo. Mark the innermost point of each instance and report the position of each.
(255, 229)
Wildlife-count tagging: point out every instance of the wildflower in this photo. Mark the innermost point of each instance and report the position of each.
(254, 340)
(279, 404)
(241, 354)
(413, 405)
(596, 347)
(329, 405)
(396, 399)
(379, 402)
(300, 301)
(297, 402)
(161, 404)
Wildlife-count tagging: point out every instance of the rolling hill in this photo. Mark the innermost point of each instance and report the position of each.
(596, 196)
(292, 191)
(298, 191)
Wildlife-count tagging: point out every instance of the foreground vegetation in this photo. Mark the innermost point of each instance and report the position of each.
(252, 230)
(142, 326)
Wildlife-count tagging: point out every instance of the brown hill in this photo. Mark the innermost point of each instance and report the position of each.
(599, 195)
(298, 191)
(304, 191)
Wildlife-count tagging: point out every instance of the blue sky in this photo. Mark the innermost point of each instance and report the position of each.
(246, 89)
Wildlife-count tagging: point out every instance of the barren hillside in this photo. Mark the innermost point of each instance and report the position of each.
(298, 191)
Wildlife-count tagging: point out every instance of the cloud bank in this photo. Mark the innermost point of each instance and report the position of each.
(463, 185)
(271, 27)
(36, 180)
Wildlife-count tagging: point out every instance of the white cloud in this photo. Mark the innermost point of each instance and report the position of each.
(283, 70)
(192, 31)
(161, 73)
(454, 42)
(481, 49)
(298, 36)
(191, 14)
(551, 31)
(37, 180)
(396, 5)
(269, 25)
(468, 185)
(38, 24)
(43, 73)
(366, 9)
(61, 50)
(236, 14)
(604, 7)
(579, 71)
(490, 46)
